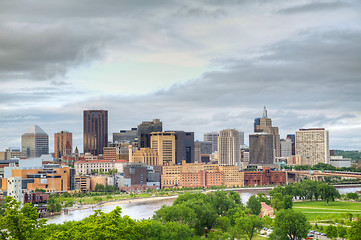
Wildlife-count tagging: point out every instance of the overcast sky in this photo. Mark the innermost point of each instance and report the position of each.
(197, 65)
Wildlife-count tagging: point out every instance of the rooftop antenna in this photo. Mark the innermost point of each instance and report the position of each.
(264, 112)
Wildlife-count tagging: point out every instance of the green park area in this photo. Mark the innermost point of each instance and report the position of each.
(318, 210)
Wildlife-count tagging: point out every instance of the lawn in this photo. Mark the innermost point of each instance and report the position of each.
(319, 209)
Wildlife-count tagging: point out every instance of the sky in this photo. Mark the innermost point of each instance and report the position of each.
(198, 66)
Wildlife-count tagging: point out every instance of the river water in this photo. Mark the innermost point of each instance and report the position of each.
(145, 209)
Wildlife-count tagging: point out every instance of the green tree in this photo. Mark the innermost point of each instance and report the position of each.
(353, 196)
(327, 192)
(290, 225)
(99, 188)
(277, 201)
(254, 205)
(341, 231)
(19, 223)
(263, 198)
(53, 205)
(249, 225)
(353, 233)
(331, 231)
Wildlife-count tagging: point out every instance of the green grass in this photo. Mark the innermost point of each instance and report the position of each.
(319, 210)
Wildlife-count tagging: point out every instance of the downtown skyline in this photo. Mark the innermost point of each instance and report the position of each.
(198, 66)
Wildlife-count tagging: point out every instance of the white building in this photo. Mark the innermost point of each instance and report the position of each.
(339, 161)
(286, 147)
(313, 143)
(229, 147)
(85, 167)
(14, 188)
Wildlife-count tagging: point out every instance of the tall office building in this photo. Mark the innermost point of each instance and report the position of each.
(184, 147)
(241, 138)
(261, 149)
(264, 124)
(95, 131)
(229, 147)
(34, 142)
(144, 131)
(313, 143)
(63, 142)
(164, 143)
(292, 137)
(212, 137)
(286, 147)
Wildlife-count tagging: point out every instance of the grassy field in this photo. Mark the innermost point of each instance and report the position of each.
(319, 209)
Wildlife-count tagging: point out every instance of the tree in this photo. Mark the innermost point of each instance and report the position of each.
(53, 205)
(331, 231)
(263, 198)
(341, 231)
(249, 225)
(327, 192)
(353, 233)
(277, 201)
(19, 223)
(254, 205)
(99, 188)
(353, 196)
(290, 225)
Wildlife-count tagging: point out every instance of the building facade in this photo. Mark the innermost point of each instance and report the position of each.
(95, 131)
(184, 147)
(213, 138)
(286, 147)
(63, 144)
(148, 156)
(261, 148)
(264, 177)
(125, 135)
(144, 132)
(229, 150)
(313, 143)
(34, 142)
(164, 144)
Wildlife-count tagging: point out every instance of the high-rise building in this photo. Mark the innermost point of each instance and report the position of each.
(292, 137)
(229, 147)
(212, 137)
(264, 124)
(261, 149)
(125, 135)
(63, 140)
(184, 146)
(241, 138)
(164, 143)
(144, 131)
(34, 142)
(286, 147)
(313, 143)
(95, 130)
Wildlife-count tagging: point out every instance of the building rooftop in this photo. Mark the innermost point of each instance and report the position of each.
(35, 129)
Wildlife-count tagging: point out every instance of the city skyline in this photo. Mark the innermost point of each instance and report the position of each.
(198, 66)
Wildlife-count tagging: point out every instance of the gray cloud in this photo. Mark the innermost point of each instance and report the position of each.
(316, 6)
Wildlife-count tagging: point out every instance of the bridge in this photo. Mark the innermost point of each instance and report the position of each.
(318, 175)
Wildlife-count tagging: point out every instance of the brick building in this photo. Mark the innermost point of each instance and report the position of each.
(265, 177)
(200, 175)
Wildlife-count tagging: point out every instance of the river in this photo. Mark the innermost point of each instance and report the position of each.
(145, 209)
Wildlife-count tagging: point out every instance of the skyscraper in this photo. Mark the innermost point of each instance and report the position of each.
(144, 130)
(229, 147)
(95, 131)
(313, 143)
(264, 124)
(184, 147)
(292, 137)
(286, 147)
(164, 143)
(63, 140)
(212, 137)
(261, 149)
(34, 142)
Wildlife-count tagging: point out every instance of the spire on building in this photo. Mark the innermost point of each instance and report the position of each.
(264, 112)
